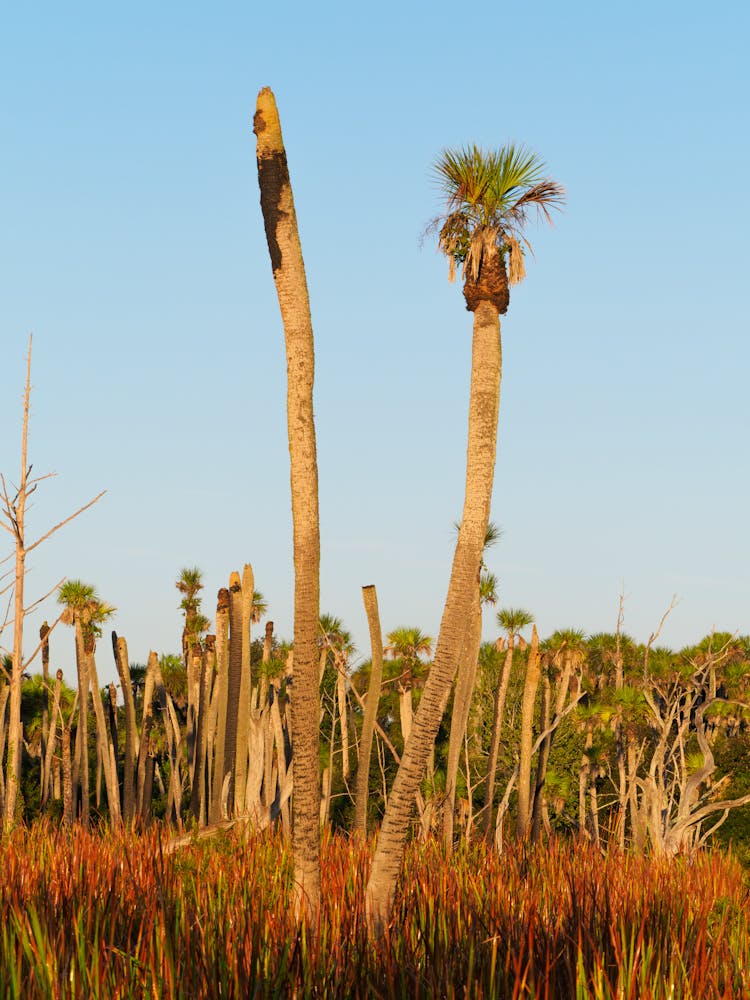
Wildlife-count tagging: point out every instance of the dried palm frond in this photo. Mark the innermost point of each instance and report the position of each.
(516, 267)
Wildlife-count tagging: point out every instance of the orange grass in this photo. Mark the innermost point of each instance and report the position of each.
(86, 914)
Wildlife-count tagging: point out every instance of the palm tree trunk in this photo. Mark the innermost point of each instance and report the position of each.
(120, 649)
(542, 761)
(234, 679)
(484, 402)
(288, 268)
(243, 713)
(467, 673)
(106, 751)
(370, 598)
(343, 715)
(81, 761)
(497, 725)
(527, 733)
(221, 684)
(51, 741)
(145, 773)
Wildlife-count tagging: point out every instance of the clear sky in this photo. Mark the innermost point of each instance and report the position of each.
(132, 246)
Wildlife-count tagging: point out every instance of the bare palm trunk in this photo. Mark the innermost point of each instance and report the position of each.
(497, 725)
(280, 222)
(120, 649)
(106, 750)
(370, 598)
(484, 401)
(527, 731)
(222, 688)
(243, 714)
(233, 685)
(81, 760)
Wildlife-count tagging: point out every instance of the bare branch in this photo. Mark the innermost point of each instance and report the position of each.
(67, 520)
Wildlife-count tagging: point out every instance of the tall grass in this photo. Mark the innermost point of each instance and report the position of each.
(96, 915)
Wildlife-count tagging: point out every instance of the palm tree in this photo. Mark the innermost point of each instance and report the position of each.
(409, 645)
(282, 235)
(190, 583)
(86, 612)
(488, 198)
(513, 621)
(565, 650)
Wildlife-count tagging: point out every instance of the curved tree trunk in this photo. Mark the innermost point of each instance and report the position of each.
(467, 674)
(370, 598)
(484, 402)
(280, 222)
(497, 725)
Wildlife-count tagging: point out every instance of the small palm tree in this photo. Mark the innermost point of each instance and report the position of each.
(190, 583)
(512, 621)
(408, 645)
(86, 612)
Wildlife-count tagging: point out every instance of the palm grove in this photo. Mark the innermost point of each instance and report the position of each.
(627, 745)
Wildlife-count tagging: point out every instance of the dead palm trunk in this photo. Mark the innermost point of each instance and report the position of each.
(467, 673)
(81, 759)
(484, 401)
(145, 771)
(370, 598)
(106, 750)
(221, 686)
(243, 714)
(288, 268)
(51, 741)
(497, 725)
(542, 762)
(340, 663)
(234, 679)
(546, 747)
(527, 732)
(120, 649)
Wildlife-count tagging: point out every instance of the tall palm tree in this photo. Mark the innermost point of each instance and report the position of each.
(282, 235)
(489, 195)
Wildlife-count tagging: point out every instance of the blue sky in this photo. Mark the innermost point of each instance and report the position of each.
(132, 246)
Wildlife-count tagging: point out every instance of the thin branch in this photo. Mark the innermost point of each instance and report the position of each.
(57, 527)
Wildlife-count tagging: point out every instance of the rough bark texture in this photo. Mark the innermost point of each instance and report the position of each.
(467, 673)
(280, 222)
(370, 599)
(491, 284)
(484, 401)
(531, 684)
